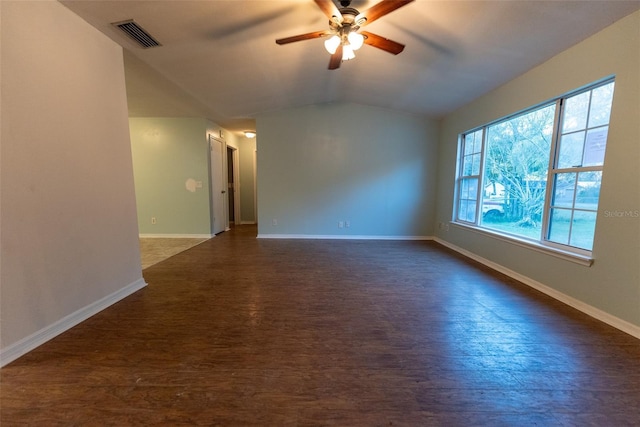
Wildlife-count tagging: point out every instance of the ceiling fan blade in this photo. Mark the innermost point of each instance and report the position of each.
(336, 59)
(382, 43)
(379, 10)
(330, 9)
(300, 37)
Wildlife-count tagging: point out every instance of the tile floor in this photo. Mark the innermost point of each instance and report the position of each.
(154, 250)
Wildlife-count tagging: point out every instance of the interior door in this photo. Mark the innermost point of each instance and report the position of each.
(218, 184)
(231, 202)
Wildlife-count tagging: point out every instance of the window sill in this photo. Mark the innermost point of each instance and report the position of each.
(538, 247)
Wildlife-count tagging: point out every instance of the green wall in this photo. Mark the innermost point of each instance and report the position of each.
(612, 283)
(320, 165)
(167, 153)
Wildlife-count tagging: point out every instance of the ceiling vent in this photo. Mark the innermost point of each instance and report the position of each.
(137, 33)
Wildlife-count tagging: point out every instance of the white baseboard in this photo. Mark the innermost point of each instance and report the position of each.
(25, 345)
(340, 237)
(594, 312)
(176, 236)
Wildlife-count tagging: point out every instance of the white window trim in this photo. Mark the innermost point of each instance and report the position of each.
(584, 260)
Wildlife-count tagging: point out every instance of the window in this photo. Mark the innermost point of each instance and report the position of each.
(536, 175)
(470, 177)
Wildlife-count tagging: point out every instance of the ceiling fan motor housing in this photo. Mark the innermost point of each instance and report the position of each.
(348, 22)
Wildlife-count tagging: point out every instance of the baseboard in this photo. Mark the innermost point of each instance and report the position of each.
(248, 223)
(25, 345)
(340, 237)
(590, 310)
(176, 236)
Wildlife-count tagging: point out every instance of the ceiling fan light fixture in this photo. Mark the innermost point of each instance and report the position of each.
(356, 40)
(332, 43)
(347, 52)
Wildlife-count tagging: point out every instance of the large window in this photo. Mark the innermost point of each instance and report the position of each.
(536, 175)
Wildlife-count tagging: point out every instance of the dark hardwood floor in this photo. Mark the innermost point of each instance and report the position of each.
(239, 331)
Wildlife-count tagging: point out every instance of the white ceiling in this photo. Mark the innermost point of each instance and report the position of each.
(223, 53)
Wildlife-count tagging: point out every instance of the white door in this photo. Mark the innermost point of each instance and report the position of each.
(218, 190)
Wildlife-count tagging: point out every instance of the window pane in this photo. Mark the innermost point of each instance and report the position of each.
(464, 185)
(471, 211)
(469, 188)
(583, 229)
(472, 188)
(473, 142)
(516, 164)
(576, 110)
(468, 144)
(477, 141)
(475, 170)
(467, 199)
(467, 210)
(564, 192)
(467, 165)
(462, 210)
(588, 190)
(571, 146)
(601, 105)
(595, 145)
(560, 225)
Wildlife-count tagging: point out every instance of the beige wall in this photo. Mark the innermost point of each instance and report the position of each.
(69, 232)
(612, 284)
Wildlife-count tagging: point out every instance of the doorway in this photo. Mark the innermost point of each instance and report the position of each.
(217, 185)
(233, 185)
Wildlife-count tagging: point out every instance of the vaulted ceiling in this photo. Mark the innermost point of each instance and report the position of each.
(223, 53)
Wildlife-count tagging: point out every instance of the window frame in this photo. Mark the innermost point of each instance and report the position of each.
(543, 242)
(460, 178)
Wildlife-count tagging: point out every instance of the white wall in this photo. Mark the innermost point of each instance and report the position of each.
(69, 233)
(612, 284)
(343, 162)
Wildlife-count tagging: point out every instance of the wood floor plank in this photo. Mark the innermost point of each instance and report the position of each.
(242, 331)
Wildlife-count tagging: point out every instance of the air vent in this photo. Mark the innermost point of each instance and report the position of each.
(137, 33)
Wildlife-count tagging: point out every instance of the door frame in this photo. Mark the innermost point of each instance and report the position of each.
(225, 184)
(235, 161)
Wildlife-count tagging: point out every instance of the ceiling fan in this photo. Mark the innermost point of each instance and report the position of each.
(344, 32)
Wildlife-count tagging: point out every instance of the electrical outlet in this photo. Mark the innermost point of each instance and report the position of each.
(274, 222)
(340, 224)
(347, 224)
(153, 220)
